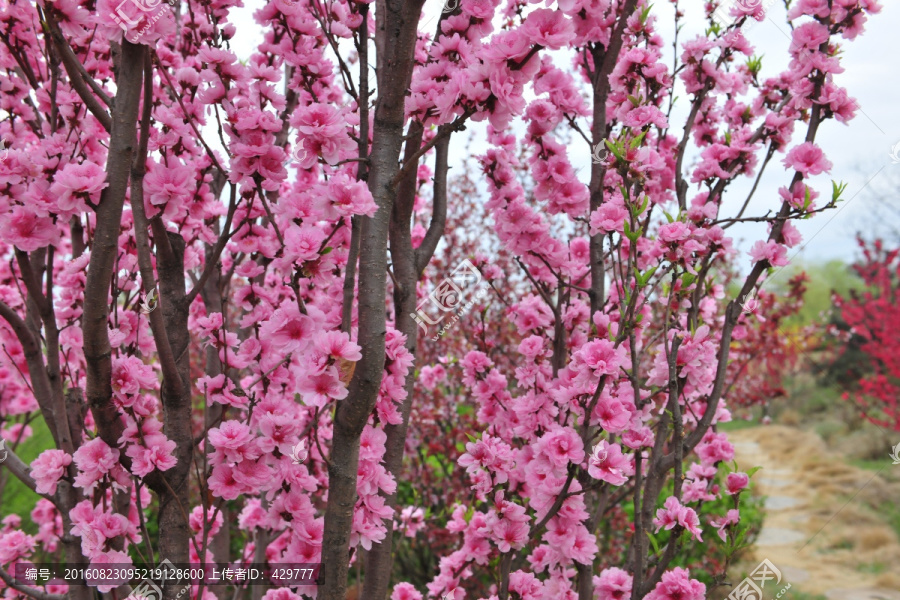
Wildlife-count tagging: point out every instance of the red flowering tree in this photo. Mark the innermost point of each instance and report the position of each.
(872, 317)
(211, 298)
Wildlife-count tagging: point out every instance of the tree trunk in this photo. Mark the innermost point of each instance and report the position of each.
(395, 40)
(379, 561)
(212, 299)
(172, 487)
(105, 244)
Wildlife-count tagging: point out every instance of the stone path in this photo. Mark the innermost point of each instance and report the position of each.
(804, 534)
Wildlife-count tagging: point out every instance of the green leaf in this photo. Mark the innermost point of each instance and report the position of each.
(687, 279)
(617, 151)
(637, 141)
(836, 190)
(753, 471)
(644, 205)
(634, 236)
(653, 542)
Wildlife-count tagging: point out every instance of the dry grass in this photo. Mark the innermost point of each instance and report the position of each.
(871, 538)
(836, 508)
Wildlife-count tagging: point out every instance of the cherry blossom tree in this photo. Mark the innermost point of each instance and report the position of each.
(215, 267)
(871, 316)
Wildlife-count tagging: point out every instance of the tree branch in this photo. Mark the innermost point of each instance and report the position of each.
(28, 591)
(79, 78)
(438, 209)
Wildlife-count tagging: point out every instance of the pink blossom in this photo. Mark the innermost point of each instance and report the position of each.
(600, 356)
(129, 376)
(612, 414)
(771, 251)
(223, 484)
(609, 217)
(673, 513)
(614, 584)
(337, 344)
(430, 376)
(94, 459)
(288, 330)
(230, 440)
(674, 232)
(322, 132)
(23, 228)
(607, 463)
(15, 545)
(791, 235)
(561, 446)
(548, 28)
(318, 389)
(677, 585)
(808, 159)
(714, 448)
(47, 469)
(405, 591)
(77, 184)
(303, 244)
(159, 456)
(735, 482)
(730, 518)
(168, 187)
(350, 197)
(281, 594)
(108, 580)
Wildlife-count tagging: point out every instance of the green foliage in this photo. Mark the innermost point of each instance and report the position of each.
(736, 425)
(825, 278)
(707, 559)
(16, 498)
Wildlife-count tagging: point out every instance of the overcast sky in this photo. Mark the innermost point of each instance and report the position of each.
(860, 151)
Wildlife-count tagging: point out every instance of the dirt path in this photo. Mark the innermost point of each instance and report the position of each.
(844, 553)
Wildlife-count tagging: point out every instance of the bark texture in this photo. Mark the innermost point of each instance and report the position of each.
(395, 40)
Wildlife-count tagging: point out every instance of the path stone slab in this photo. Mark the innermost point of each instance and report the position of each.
(794, 575)
(767, 481)
(746, 446)
(775, 536)
(862, 594)
(781, 502)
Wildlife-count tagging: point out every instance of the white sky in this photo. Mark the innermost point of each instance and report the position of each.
(860, 151)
